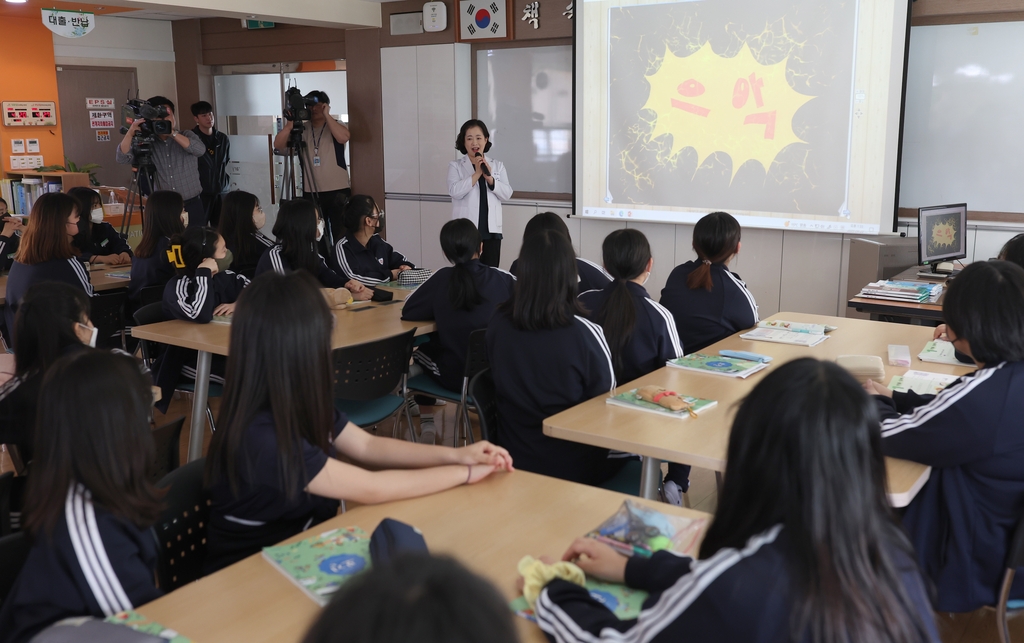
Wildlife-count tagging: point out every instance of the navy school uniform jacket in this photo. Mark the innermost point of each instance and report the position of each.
(247, 264)
(272, 259)
(8, 246)
(101, 241)
(445, 360)
(961, 522)
(261, 513)
(592, 276)
(155, 270)
(540, 373)
(736, 595)
(704, 317)
(94, 564)
(370, 264)
(654, 340)
(23, 276)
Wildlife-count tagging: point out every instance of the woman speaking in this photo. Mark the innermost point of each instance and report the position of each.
(477, 185)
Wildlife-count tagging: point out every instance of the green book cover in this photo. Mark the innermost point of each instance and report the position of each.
(398, 286)
(718, 364)
(624, 601)
(322, 564)
(121, 274)
(140, 623)
(629, 399)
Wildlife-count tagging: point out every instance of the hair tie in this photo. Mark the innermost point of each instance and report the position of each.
(174, 256)
(706, 262)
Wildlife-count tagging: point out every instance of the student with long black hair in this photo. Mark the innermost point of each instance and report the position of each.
(241, 218)
(362, 254)
(709, 302)
(591, 275)
(46, 252)
(90, 504)
(962, 521)
(459, 299)
(546, 357)
(200, 290)
(298, 229)
(165, 217)
(641, 333)
(271, 466)
(97, 240)
(803, 547)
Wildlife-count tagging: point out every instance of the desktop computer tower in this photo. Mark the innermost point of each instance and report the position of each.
(875, 258)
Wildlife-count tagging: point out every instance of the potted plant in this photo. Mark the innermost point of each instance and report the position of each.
(69, 166)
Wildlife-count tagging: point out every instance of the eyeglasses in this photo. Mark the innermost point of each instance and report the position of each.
(379, 215)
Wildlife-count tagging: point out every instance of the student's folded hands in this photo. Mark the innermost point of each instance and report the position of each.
(224, 309)
(485, 453)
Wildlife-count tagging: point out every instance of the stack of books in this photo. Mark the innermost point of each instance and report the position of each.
(913, 291)
(21, 194)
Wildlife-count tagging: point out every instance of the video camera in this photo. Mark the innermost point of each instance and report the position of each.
(151, 125)
(297, 106)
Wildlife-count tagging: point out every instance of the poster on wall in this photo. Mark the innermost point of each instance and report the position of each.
(99, 103)
(483, 20)
(29, 113)
(102, 135)
(101, 119)
(70, 24)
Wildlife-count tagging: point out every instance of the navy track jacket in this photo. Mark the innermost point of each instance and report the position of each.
(370, 264)
(704, 317)
(592, 276)
(272, 259)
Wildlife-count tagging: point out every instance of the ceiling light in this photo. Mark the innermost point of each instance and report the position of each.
(17, 1)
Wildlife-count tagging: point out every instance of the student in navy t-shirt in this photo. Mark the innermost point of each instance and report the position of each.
(708, 302)
(272, 464)
(591, 276)
(803, 547)
(90, 504)
(962, 521)
(165, 217)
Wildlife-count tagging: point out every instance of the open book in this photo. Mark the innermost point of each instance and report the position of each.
(940, 352)
(921, 382)
(780, 336)
(322, 564)
(717, 364)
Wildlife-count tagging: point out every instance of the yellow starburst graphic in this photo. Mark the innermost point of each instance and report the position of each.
(943, 234)
(736, 105)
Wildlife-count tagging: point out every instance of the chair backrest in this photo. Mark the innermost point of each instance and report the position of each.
(151, 295)
(107, 314)
(1015, 555)
(149, 314)
(181, 529)
(476, 353)
(168, 450)
(13, 554)
(485, 398)
(6, 483)
(371, 370)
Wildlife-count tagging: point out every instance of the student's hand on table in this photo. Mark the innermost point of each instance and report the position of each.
(874, 388)
(105, 259)
(597, 559)
(358, 290)
(478, 472)
(940, 333)
(224, 309)
(124, 258)
(210, 264)
(485, 453)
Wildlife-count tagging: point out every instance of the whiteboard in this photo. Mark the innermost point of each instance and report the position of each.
(963, 135)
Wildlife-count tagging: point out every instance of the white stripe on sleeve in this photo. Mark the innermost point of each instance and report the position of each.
(670, 325)
(943, 401)
(743, 289)
(603, 343)
(82, 274)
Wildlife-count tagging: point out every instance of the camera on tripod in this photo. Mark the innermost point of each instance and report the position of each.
(297, 106)
(151, 116)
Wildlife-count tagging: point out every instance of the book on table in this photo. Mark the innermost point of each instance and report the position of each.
(140, 623)
(909, 291)
(717, 364)
(921, 382)
(796, 327)
(782, 336)
(320, 565)
(631, 400)
(939, 351)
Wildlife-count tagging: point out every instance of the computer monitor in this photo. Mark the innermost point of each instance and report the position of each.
(941, 234)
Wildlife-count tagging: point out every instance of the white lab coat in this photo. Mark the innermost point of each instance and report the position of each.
(466, 194)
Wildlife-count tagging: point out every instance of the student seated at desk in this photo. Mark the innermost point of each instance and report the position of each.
(10, 231)
(298, 230)
(362, 254)
(90, 504)
(272, 468)
(803, 547)
(971, 434)
(416, 597)
(165, 217)
(591, 275)
(546, 357)
(640, 332)
(459, 299)
(97, 240)
(46, 252)
(708, 302)
(201, 290)
(241, 218)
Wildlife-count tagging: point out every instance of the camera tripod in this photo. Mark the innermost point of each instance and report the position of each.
(142, 165)
(297, 148)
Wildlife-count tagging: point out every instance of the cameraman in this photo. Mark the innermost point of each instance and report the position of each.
(327, 156)
(175, 158)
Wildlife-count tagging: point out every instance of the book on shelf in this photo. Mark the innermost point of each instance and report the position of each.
(631, 400)
(782, 336)
(717, 364)
(921, 382)
(322, 564)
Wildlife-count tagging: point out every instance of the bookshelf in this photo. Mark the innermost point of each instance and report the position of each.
(68, 180)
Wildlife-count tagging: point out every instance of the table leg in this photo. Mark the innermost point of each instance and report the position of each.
(198, 429)
(718, 481)
(650, 478)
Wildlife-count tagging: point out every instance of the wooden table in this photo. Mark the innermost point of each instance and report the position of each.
(357, 324)
(703, 441)
(100, 278)
(488, 527)
(907, 309)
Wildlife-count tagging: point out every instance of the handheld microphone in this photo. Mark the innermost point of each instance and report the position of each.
(483, 168)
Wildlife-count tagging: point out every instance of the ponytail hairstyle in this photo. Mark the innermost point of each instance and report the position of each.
(192, 247)
(626, 254)
(162, 219)
(295, 230)
(716, 237)
(460, 242)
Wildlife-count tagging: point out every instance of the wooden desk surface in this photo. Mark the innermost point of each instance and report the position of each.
(356, 325)
(488, 527)
(703, 441)
(100, 281)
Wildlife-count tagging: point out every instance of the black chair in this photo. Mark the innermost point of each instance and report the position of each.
(366, 377)
(476, 361)
(107, 314)
(168, 450)
(1006, 608)
(485, 398)
(151, 295)
(180, 531)
(13, 554)
(6, 484)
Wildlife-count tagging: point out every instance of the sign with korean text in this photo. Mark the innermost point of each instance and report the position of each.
(99, 103)
(29, 113)
(102, 135)
(483, 20)
(70, 24)
(103, 119)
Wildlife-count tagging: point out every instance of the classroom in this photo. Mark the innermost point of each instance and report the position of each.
(644, 320)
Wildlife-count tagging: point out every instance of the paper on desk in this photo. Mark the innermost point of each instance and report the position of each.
(784, 337)
(921, 382)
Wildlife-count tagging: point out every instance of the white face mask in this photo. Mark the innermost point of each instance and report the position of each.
(92, 338)
(96, 215)
(184, 218)
(319, 229)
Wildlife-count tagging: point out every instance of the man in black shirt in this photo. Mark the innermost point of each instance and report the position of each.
(213, 166)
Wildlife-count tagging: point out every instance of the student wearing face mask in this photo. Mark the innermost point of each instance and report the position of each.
(241, 219)
(11, 228)
(362, 254)
(165, 217)
(97, 241)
